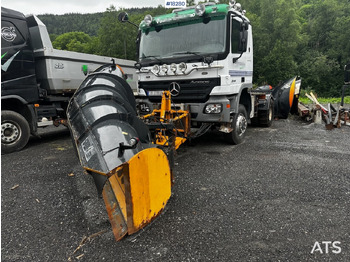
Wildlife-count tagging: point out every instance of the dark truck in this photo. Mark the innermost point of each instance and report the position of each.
(37, 80)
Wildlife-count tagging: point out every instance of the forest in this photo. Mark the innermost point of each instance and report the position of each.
(309, 38)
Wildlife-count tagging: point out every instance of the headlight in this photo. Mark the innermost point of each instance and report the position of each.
(213, 109)
(156, 69)
(148, 20)
(182, 67)
(165, 68)
(142, 92)
(200, 9)
(173, 67)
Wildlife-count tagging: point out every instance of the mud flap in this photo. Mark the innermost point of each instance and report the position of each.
(137, 191)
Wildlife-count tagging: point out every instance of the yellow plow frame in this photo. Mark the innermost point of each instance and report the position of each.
(178, 120)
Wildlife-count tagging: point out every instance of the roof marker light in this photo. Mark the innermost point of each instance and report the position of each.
(200, 9)
(238, 7)
(148, 20)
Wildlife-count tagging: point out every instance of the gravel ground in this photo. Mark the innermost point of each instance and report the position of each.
(268, 199)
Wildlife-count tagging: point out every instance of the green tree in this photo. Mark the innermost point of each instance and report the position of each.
(190, 3)
(53, 37)
(327, 47)
(113, 36)
(276, 37)
(75, 41)
(319, 73)
(119, 39)
(60, 24)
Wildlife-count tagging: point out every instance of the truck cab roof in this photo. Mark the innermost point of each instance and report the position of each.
(5, 12)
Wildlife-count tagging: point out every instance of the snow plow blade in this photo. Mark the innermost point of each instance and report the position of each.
(114, 147)
(286, 97)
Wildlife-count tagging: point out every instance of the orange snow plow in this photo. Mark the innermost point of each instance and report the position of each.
(125, 155)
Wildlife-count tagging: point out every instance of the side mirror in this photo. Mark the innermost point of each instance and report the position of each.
(123, 17)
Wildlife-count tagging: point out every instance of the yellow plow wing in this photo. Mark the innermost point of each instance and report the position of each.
(137, 191)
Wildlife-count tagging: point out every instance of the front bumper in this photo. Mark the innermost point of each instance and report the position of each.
(197, 110)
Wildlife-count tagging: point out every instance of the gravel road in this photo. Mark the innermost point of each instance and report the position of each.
(269, 199)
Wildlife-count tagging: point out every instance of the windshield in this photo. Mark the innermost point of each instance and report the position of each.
(192, 38)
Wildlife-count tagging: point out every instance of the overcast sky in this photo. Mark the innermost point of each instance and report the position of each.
(38, 7)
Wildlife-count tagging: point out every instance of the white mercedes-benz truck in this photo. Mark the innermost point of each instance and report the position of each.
(204, 56)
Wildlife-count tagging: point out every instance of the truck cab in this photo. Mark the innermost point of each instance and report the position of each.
(204, 56)
(17, 58)
(37, 81)
(18, 79)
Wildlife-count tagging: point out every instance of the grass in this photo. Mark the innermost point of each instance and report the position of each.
(325, 100)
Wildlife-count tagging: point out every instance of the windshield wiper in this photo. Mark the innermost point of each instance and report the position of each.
(188, 53)
(152, 56)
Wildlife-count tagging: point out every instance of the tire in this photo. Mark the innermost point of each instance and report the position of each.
(239, 126)
(265, 117)
(15, 132)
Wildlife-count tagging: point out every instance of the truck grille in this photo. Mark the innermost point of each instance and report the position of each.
(191, 91)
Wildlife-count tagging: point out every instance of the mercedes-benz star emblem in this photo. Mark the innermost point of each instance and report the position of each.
(174, 89)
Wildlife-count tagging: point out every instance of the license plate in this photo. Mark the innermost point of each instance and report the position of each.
(155, 93)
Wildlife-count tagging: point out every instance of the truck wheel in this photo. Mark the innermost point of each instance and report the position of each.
(265, 117)
(239, 125)
(15, 131)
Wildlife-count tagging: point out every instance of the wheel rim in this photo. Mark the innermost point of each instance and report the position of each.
(241, 124)
(9, 132)
(270, 114)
